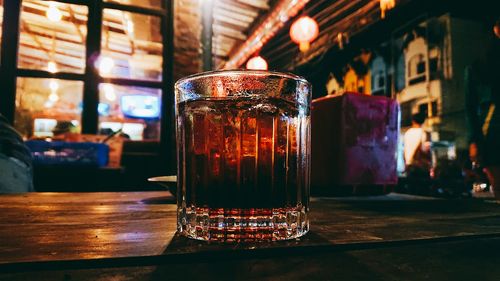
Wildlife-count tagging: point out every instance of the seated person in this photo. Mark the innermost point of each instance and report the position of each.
(16, 170)
(416, 144)
(65, 131)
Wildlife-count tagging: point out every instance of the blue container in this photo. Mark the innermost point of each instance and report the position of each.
(69, 153)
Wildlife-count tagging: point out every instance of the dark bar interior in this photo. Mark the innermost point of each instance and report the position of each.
(321, 140)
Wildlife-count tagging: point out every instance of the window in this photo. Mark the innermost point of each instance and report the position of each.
(43, 103)
(378, 83)
(378, 80)
(416, 69)
(434, 62)
(134, 110)
(53, 36)
(424, 108)
(128, 54)
(132, 43)
(381, 81)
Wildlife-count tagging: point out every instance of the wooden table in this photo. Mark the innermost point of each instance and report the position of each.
(131, 236)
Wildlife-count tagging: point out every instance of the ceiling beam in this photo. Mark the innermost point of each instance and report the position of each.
(274, 20)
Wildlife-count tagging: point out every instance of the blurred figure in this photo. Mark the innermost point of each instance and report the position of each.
(65, 131)
(417, 157)
(16, 172)
(416, 143)
(482, 84)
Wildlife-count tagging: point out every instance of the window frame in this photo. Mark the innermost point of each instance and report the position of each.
(414, 63)
(9, 70)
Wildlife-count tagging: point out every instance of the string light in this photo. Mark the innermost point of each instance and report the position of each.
(106, 65)
(53, 85)
(257, 63)
(109, 92)
(53, 13)
(52, 67)
(303, 31)
(48, 104)
(53, 97)
(130, 27)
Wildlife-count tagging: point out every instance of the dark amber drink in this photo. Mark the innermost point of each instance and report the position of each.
(243, 162)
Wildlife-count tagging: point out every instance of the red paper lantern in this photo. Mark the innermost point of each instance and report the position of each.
(257, 63)
(303, 31)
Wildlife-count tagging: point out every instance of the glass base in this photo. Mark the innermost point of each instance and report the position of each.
(242, 225)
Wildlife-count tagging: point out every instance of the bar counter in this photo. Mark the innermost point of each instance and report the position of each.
(131, 236)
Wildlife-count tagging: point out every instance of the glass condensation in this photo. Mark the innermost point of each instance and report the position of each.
(243, 156)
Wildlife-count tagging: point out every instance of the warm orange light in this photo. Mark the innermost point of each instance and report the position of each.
(53, 13)
(52, 67)
(303, 31)
(257, 63)
(53, 97)
(386, 5)
(53, 85)
(109, 92)
(106, 65)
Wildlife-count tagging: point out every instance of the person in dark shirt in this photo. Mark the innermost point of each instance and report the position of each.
(482, 94)
(16, 170)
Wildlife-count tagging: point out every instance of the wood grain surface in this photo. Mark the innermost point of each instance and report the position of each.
(136, 231)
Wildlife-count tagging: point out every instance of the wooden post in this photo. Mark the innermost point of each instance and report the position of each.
(8, 58)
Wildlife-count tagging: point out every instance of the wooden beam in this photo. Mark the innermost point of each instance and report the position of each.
(232, 21)
(237, 8)
(8, 57)
(73, 19)
(227, 12)
(260, 4)
(229, 32)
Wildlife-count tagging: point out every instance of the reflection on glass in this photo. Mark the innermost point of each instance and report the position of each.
(53, 36)
(142, 3)
(131, 46)
(134, 110)
(44, 106)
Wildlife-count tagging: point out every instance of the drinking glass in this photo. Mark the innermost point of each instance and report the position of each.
(243, 153)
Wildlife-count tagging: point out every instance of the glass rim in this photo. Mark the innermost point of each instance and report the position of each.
(219, 73)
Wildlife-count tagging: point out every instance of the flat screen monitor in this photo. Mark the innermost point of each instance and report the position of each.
(140, 106)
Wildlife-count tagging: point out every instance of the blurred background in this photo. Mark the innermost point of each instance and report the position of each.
(80, 71)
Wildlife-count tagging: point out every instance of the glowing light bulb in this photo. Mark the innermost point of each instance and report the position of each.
(303, 31)
(53, 13)
(106, 64)
(52, 67)
(53, 85)
(109, 92)
(130, 27)
(48, 104)
(257, 63)
(53, 97)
